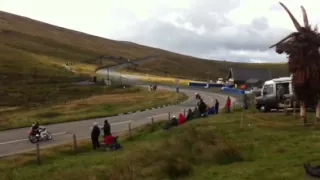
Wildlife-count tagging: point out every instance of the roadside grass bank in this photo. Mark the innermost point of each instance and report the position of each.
(87, 102)
(240, 145)
(156, 79)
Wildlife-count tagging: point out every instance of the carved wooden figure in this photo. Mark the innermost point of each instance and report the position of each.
(302, 48)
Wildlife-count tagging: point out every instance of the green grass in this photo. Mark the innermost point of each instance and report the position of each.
(272, 147)
(87, 102)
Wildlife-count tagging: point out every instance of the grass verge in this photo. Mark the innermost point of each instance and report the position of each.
(272, 147)
(157, 79)
(99, 103)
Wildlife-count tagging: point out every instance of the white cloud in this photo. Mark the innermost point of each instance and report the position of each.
(236, 30)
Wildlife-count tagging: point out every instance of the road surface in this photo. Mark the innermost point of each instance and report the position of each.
(15, 141)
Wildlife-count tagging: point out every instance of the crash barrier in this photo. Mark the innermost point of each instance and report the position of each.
(203, 84)
(197, 84)
(232, 90)
(126, 127)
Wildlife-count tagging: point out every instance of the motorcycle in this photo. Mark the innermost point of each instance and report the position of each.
(35, 137)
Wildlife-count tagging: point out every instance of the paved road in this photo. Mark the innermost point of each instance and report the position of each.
(15, 141)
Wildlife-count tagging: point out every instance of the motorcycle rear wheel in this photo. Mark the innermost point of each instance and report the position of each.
(33, 139)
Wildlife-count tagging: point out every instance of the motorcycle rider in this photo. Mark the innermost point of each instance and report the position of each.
(197, 95)
(36, 129)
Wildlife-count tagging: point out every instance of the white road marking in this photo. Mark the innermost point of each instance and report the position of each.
(9, 142)
(120, 123)
(158, 115)
(19, 140)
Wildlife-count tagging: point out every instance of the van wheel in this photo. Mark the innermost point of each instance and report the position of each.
(264, 109)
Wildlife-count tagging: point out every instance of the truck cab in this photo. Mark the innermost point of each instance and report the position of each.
(268, 98)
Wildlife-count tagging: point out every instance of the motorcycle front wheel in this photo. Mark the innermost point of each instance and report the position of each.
(33, 139)
(49, 136)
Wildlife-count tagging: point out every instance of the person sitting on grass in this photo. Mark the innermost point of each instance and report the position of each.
(189, 115)
(211, 110)
(202, 107)
(173, 122)
(182, 119)
(108, 140)
(196, 112)
(111, 142)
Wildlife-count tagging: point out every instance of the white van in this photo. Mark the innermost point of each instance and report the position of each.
(268, 98)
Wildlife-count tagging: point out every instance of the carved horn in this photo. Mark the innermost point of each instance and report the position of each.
(289, 36)
(305, 17)
(295, 22)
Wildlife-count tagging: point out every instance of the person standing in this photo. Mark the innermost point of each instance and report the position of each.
(245, 101)
(95, 133)
(216, 106)
(228, 104)
(106, 128)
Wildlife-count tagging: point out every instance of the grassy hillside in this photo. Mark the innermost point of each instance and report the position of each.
(44, 47)
(194, 68)
(266, 146)
(35, 54)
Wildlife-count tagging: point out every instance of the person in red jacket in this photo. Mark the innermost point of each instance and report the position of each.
(182, 119)
(228, 104)
(108, 140)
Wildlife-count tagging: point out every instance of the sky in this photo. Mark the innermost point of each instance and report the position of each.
(232, 30)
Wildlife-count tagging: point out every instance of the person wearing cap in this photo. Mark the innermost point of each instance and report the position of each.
(95, 133)
(174, 121)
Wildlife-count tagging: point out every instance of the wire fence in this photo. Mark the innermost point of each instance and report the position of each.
(128, 127)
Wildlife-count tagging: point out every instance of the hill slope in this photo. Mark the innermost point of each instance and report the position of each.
(29, 47)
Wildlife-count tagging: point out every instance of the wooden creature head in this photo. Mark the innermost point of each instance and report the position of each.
(305, 39)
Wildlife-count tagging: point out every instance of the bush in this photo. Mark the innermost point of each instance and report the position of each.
(175, 157)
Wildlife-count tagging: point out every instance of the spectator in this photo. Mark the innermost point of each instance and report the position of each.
(95, 133)
(197, 96)
(108, 140)
(173, 122)
(245, 101)
(196, 112)
(211, 110)
(216, 106)
(182, 119)
(228, 104)
(202, 107)
(189, 115)
(106, 128)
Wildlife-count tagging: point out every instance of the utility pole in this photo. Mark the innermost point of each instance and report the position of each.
(208, 72)
(108, 74)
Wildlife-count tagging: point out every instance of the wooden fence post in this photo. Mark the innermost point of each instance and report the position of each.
(38, 153)
(169, 116)
(152, 125)
(130, 131)
(294, 107)
(75, 148)
(241, 122)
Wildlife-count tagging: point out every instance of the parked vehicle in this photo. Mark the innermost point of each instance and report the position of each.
(43, 134)
(269, 97)
(220, 81)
